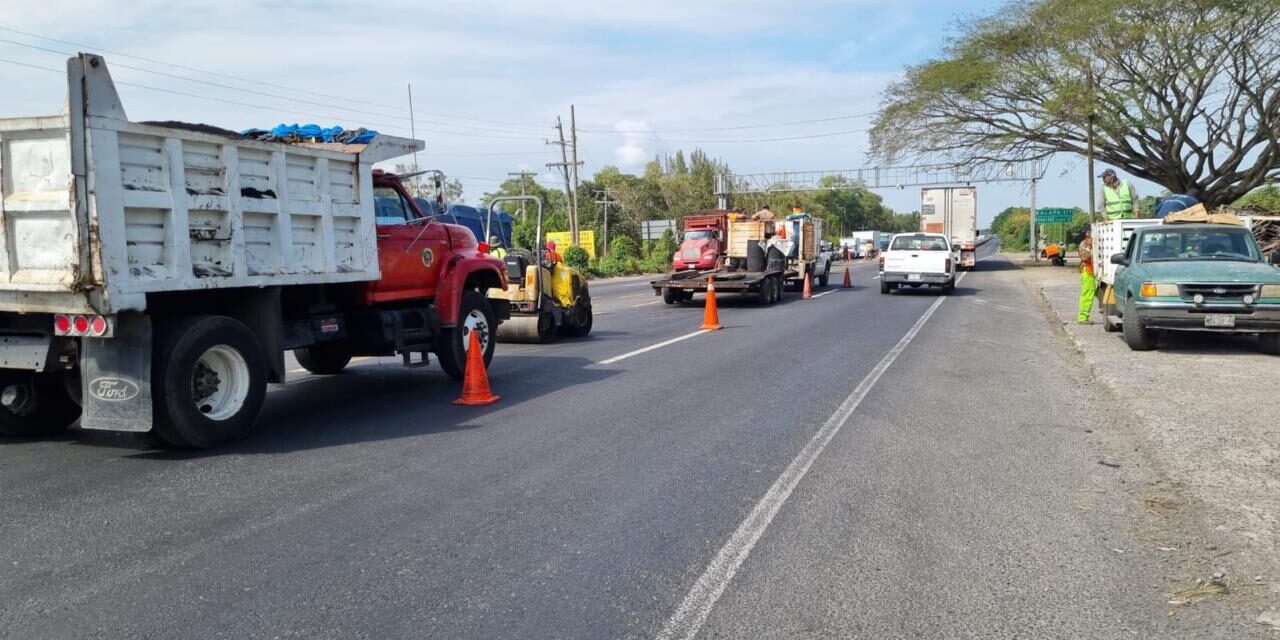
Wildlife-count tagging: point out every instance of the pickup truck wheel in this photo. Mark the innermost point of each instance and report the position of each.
(949, 288)
(884, 286)
(1269, 343)
(34, 404)
(1138, 337)
(824, 278)
(208, 381)
(326, 358)
(474, 314)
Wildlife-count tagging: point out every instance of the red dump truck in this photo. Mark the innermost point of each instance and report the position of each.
(155, 275)
(703, 243)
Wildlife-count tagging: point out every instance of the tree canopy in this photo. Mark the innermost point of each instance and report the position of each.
(1180, 92)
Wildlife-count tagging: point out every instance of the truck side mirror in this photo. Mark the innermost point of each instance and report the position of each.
(1118, 258)
(1275, 258)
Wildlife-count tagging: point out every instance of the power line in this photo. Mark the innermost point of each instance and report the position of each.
(736, 128)
(828, 134)
(281, 97)
(248, 80)
(380, 125)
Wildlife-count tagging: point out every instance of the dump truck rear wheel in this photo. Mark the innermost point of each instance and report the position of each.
(208, 381)
(326, 358)
(671, 296)
(34, 404)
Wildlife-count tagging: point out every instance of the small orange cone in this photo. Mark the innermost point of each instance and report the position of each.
(475, 382)
(848, 281)
(711, 316)
(808, 287)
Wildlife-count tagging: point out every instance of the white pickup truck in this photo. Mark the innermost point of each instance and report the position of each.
(918, 260)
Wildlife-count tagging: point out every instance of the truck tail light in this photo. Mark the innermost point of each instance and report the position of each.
(948, 264)
(881, 261)
(483, 247)
(81, 326)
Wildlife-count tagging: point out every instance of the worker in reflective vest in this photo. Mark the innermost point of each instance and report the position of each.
(1088, 284)
(1119, 198)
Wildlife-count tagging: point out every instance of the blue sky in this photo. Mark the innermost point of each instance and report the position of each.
(489, 76)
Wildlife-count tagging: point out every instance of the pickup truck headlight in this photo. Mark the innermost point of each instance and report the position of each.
(1270, 291)
(1154, 290)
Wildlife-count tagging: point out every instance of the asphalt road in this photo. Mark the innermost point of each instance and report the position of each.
(600, 501)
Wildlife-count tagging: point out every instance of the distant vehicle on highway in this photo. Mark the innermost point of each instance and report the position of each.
(918, 260)
(1194, 277)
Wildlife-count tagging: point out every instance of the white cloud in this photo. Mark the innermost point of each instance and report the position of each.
(632, 153)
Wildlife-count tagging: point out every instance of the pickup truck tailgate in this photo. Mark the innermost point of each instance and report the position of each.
(916, 261)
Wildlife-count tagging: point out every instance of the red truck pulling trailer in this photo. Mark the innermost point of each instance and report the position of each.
(703, 244)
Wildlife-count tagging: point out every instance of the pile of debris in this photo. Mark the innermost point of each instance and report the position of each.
(1266, 225)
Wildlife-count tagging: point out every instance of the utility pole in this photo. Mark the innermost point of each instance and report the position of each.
(564, 165)
(1035, 254)
(523, 175)
(1088, 76)
(573, 130)
(605, 201)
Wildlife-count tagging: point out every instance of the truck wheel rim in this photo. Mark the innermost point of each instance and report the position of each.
(475, 321)
(220, 382)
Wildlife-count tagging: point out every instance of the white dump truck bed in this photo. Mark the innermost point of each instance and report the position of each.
(97, 211)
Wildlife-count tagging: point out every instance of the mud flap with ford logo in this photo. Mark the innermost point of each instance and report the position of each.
(115, 377)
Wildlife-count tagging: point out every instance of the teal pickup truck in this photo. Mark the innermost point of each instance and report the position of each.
(1195, 277)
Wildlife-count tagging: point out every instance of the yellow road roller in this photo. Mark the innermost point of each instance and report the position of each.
(548, 298)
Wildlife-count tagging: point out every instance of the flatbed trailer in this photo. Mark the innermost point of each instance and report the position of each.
(766, 285)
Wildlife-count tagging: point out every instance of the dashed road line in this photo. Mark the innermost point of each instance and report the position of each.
(649, 348)
(692, 613)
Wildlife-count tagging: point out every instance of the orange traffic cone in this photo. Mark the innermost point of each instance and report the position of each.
(808, 287)
(848, 281)
(711, 316)
(475, 382)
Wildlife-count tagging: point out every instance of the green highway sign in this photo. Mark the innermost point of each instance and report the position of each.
(1054, 216)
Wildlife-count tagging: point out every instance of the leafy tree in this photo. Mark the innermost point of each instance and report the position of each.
(1180, 92)
(1267, 198)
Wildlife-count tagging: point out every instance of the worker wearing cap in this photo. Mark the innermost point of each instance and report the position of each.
(552, 255)
(1119, 197)
(1088, 284)
(495, 248)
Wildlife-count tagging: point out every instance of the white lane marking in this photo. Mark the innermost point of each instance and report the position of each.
(633, 295)
(652, 347)
(876, 278)
(697, 604)
(824, 293)
(645, 304)
(637, 284)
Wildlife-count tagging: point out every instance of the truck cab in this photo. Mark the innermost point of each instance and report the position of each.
(702, 244)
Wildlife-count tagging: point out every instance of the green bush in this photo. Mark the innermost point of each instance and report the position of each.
(578, 258)
(623, 247)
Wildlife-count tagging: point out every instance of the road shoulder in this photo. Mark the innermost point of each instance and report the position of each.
(1202, 410)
